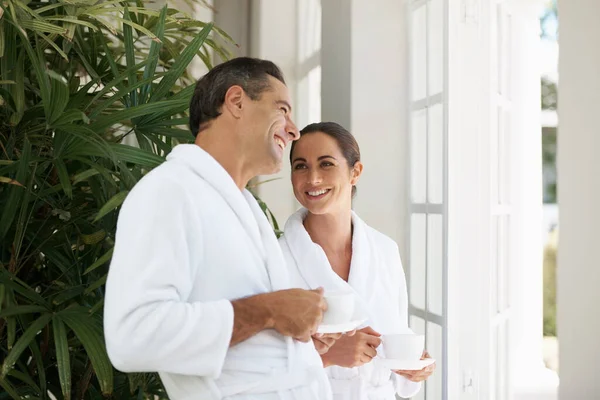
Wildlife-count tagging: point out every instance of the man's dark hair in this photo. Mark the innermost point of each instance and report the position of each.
(251, 74)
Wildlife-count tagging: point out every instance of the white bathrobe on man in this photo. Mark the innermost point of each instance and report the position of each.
(189, 241)
(377, 277)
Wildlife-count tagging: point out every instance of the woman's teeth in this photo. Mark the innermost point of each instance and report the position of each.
(318, 192)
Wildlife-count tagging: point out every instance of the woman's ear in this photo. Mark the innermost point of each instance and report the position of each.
(356, 172)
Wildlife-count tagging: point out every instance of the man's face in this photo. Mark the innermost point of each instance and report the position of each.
(269, 128)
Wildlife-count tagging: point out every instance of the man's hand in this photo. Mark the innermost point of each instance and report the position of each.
(297, 312)
(353, 350)
(293, 312)
(419, 375)
(323, 342)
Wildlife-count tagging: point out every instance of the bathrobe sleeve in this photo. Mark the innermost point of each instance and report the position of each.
(149, 323)
(404, 387)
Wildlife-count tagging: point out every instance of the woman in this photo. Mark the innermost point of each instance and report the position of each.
(330, 246)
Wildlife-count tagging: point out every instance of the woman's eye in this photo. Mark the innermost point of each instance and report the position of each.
(326, 164)
(300, 166)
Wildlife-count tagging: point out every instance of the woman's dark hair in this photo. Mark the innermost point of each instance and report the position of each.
(251, 74)
(344, 139)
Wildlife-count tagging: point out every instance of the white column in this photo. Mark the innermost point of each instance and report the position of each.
(578, 170)
(529, 377)
(465, 238)
(365, 88)
(473, 101)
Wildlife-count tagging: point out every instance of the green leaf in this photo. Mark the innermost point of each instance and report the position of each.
(168, 122)
(105, 173)
(63, 361)
(111, 204)
(96, 284)
(42, 10)
(17, 285)
(73, 20)
(41, 26)
(63, 176)
(4, 179)
(8, 99)
(97, 306)
(165, 106)
(2, 34)
(121, 93)
(89, 332)
(24, 217)
(18, 91)
(150, 69)
(19, 310)
(180, 64)
(55, 46)
(11, 334)
(79, 99)
(10, 390)
(41, 369)
(137, 156)
(67, 294)
(70, 116)
(93, 238)
(23, 343)
(139, 27)
(15, 192)
(83, 176)
(25, 378)
(60, 97)
(182, 134)
(89, 142)
(129, 56)
(38, 62)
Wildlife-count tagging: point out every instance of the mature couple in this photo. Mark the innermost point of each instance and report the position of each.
(200, 290)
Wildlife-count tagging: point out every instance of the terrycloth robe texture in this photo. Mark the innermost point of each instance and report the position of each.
(189, 241)
(377, 278)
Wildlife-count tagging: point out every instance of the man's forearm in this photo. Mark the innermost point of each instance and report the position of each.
(250, 316)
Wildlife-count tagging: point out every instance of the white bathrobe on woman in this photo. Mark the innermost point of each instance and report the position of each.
(189, 241)
(377, 277)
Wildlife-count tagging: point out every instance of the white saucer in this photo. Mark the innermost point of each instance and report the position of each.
(360, 316)
(340, 328)
(406, 365)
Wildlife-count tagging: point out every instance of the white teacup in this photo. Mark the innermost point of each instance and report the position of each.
(340, 307)
(404, 346)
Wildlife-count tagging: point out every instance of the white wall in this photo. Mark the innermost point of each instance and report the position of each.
(233, 16)
(273, 37)
(578, 170)
(364, 88)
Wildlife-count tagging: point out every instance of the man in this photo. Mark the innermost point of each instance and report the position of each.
(197, 288)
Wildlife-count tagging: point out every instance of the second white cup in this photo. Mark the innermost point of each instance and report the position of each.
(407, 346)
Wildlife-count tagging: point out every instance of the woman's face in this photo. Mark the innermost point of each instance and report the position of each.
(321, 177)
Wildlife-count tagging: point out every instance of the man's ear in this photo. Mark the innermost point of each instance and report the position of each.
(234, 101)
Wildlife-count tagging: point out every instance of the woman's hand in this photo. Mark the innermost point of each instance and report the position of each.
(419, 375)
(324, 341)
(353, 350)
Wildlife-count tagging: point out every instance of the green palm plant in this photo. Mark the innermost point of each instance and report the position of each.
(78, 78)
